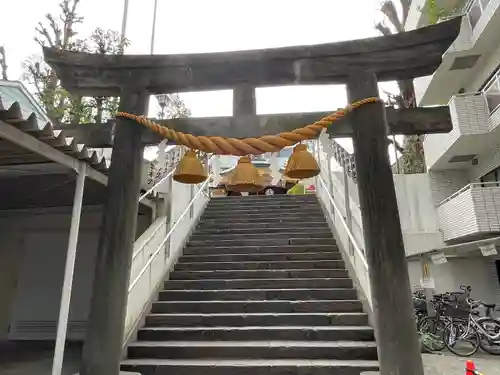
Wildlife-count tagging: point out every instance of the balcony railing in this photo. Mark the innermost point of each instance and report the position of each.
(492, 92)
(472, 211)
(474, 10)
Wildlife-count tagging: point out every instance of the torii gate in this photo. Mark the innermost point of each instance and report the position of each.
(359, 64)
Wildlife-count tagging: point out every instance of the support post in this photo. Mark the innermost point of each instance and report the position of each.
(103, 345)
(244, 103)
(397, 340)
(62, 323)
(347, 203)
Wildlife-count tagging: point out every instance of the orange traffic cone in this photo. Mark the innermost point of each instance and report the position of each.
(470, 367)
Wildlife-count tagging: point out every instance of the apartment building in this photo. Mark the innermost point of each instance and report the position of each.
(464, 165)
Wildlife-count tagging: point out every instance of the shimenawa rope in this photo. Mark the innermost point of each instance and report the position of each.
(247, 146)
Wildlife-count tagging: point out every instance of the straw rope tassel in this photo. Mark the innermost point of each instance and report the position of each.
(247, 146)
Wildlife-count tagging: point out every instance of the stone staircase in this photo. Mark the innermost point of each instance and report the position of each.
(261, 288)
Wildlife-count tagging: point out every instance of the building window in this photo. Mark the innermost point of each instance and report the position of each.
(490, 177)
(492, 92)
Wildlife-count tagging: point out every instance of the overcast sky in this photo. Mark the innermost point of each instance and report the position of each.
(186, 26)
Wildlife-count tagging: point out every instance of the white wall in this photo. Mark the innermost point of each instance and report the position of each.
(153, 262)
(487, 67)
(417, 213)
(41, 238)
(473, 271)
(446, 183)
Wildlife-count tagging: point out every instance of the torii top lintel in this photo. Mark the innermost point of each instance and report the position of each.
(400, 56)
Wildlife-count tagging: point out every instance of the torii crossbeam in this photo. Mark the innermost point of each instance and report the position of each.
(359, 64)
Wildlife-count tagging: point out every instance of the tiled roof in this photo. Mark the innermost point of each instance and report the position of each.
(11, 154)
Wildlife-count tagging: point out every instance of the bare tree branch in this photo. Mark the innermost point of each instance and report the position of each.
(405, 6)
(389, 10)
(383, 29)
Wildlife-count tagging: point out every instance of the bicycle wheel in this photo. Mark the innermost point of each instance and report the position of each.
(490, 343)
(460, 339)
(432, 329)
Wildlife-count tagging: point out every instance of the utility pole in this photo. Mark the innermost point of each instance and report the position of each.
(124, 21)
(153, 29)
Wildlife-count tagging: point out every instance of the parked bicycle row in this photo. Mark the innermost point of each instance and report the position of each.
(457, 322)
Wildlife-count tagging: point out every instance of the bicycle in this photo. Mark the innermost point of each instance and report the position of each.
(431, 328)
(475, 331)
(491, 342)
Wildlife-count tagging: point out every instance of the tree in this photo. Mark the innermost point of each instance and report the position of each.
(3, 63)
(171, 106)
(60, 32)
(104, 42)
(435, 12)
(56, 32)
(412, 151)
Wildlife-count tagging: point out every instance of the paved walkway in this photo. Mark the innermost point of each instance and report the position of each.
(448, 364)
(37, 360)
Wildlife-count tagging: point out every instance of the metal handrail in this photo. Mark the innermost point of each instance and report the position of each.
(467, 187)
(147, 193)
(344, 223)
(149, 239)
(156, 185)
(172, 229)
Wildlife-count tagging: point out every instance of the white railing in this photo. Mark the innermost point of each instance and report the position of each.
(474, 10)
(474, 185)
(157, 250)
(471, 211)
(350, 246)
(146, 244)
(155, 186)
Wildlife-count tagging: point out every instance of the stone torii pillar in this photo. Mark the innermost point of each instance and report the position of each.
(102, 350)
(357, 63)
(398, 347)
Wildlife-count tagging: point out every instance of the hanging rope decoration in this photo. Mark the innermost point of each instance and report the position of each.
(246, 177)
(247, 146)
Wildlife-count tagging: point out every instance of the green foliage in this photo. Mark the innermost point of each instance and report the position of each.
(59, 31)
(435, 12)
(298, 189)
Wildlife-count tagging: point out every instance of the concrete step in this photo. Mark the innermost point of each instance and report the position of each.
(346, 350)
(257, 274)
(218, 284)
(263, 241)
(239, 211)
(268, 265)
(322, 227)
(246, 306)
(318, 333)
(260, 257)
(264, 199)
(248, 367)
(260, 249)
(257, 294)
(279, 234)
(259, 226)
(257, 319)
(276, 206)
(266, 217)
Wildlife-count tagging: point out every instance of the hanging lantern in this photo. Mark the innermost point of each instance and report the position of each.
(301, 164)
(245, 177)
(190, 170)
